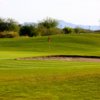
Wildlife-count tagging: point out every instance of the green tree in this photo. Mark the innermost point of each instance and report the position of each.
(48, 26)
(81, 30)
(9, 28)
(77, 30)
(13, 25)
(48, 23)
(68, 30)
(8, 25)
(28, 30)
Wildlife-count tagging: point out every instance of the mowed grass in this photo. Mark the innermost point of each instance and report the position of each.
(49, 80)
(81, 44)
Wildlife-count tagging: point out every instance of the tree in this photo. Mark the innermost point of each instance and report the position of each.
(8, 25)
(9, 28)
(67, 30)
(49, 23)
(28, 30)
(1, 20)
(81, 30)
(13, 25)
(47, 27)
(77, 30)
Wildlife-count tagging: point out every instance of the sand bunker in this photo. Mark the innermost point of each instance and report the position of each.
(64, 57)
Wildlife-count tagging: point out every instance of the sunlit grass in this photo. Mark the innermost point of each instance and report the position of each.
(49, 80)
(83, 44)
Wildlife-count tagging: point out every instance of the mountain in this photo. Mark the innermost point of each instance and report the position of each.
(63, 24)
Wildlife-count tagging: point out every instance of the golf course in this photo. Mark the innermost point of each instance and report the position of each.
(50, 79)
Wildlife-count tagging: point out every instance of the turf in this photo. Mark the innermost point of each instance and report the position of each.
(82, 44)
(49, 80)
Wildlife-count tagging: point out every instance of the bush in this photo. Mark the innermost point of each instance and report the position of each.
(55, 31)
(48, 23)
(43, 31)
(28, 30)
(7, 34)
(9, 25)
(68, 30)
(81, 30)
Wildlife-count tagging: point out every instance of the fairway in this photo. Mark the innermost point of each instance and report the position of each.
(49, 79)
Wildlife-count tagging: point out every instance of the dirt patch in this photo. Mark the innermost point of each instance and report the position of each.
(64, 57)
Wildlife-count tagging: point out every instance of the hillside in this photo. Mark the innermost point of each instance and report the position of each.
(83, 44)
(63, 24)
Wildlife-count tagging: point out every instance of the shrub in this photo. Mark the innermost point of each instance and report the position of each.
(55, 31)
(8, 25)
(48, 27)
(7, 34)
(43, 31)
(81, 30)
(48, 23)
(28, 30)
(68, 30)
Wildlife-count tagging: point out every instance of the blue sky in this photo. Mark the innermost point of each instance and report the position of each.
(74, 11)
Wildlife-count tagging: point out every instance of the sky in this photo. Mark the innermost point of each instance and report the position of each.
(85, 12)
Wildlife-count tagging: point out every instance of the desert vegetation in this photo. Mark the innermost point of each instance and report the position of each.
(10, 28)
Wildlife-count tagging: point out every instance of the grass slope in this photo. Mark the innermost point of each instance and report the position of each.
(84, 44)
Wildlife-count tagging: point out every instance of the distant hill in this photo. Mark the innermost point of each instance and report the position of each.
(63, 24)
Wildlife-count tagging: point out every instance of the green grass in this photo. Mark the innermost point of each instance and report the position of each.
(83, 44)
(49, 80)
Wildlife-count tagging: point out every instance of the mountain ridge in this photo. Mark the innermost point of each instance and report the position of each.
(62, 24)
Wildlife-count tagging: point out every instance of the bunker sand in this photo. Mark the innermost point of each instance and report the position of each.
(65, 58)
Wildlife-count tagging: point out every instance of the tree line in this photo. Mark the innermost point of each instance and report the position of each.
(9, 28)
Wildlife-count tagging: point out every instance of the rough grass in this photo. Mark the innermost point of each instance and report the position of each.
(49, 80)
